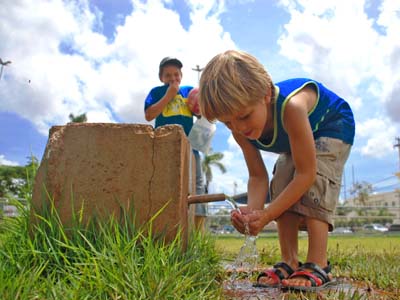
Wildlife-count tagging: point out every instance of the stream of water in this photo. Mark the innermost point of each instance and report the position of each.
(246, 261)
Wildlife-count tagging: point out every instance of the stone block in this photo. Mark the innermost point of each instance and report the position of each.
(102, 167)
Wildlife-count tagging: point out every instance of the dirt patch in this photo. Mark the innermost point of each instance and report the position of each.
(342, 289)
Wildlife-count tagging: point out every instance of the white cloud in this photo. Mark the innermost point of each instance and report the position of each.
(380, 135)
(393, 102)
(354, 54)
(60, 64)
(6, 162)
(333, 41)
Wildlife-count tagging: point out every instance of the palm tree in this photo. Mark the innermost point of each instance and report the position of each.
(361, 192)
(211, 159)
(3, 63)
(78, 119)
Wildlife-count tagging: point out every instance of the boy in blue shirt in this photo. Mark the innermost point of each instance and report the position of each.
(168, 105)
(312, 129)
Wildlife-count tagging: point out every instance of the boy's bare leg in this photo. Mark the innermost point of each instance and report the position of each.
(317, 249)
(288, 224)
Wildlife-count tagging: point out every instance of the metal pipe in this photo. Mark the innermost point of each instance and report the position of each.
(206, 198)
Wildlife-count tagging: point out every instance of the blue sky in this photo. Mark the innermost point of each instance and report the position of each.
(101, 57)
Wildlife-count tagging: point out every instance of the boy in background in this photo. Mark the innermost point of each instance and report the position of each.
(168, 105)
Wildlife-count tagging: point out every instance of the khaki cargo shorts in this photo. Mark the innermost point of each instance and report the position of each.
(320, 200)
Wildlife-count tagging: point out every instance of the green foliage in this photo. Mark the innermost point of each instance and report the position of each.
(110, 259)
(373, 259)
(17, 181)
(10, 180)
(209, 160)
(78, 119)
(361, 191)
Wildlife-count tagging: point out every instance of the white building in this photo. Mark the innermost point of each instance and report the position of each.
(388, 200)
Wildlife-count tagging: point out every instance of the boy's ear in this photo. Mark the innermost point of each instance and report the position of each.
(268, 96)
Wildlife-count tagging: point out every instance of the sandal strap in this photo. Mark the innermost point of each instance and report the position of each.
(328, 268)
(275, 273)
(311, 276)
(316, 271)
(271, 273)
(284, 266)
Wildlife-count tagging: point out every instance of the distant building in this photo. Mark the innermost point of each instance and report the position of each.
(10, 211)
(7, 209)
(388, 200)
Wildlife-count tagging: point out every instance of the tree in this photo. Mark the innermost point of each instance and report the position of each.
(360, 191)
(30, 173)
(3, 63)
(78, 119)
(17, 181)
(10, 180)
(209, 160)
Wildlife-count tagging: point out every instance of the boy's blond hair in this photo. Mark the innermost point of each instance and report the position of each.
(231, 81)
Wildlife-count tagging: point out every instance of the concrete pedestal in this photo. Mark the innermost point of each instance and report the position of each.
(105, 167)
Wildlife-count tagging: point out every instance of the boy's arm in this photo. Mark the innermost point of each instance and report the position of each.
(257, 186)
(154, 110)
(257, 189)
(303, 153)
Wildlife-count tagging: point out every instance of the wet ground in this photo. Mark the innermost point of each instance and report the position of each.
(341, 289)
(240, 286)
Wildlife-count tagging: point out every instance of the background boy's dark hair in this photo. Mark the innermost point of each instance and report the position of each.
(166, 61)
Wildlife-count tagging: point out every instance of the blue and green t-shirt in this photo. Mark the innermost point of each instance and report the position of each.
(176, 111)
(331, 116)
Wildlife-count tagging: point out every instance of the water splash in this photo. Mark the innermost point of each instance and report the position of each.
(245, 264)
(233, 203)
(247, 259)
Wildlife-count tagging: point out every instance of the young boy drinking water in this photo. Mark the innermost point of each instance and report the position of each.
(168, 104)
(312, 130)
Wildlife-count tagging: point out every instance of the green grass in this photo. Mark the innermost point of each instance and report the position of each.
(114, 260)
(103, 260)
(374, 259)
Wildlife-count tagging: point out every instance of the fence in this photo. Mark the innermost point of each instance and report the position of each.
(218, 217)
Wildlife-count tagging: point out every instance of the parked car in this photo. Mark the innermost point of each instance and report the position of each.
(375, 227)
(342, 230)
(394, 227)
(228, 229)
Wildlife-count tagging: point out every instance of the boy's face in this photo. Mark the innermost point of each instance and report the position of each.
(171, 74)
(251, 121)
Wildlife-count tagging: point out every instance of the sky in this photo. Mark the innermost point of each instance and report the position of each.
(101, 57)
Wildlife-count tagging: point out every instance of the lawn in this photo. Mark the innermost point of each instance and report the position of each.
(104, 260)
(115, 261)
(373, 259)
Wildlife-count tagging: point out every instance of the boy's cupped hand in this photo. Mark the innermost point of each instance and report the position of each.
(254, 219)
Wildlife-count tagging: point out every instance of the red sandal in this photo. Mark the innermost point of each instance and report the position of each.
(319, 278)
(276, 274)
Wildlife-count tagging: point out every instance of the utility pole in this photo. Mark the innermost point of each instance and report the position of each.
(344, 185)
(3, 63)
(198, 70)
(397, 145)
